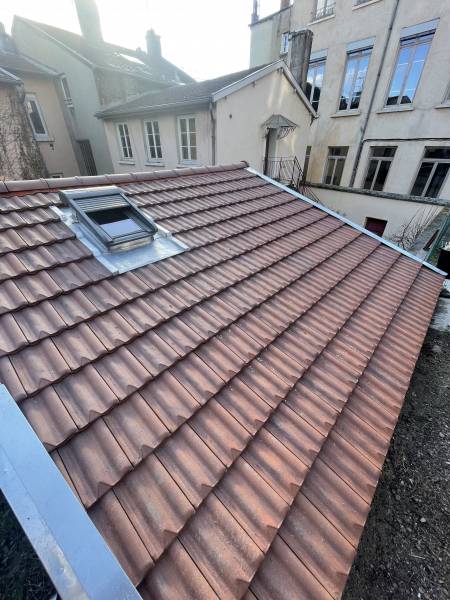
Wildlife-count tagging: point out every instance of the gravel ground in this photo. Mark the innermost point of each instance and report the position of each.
(404, 552)
(405, 548)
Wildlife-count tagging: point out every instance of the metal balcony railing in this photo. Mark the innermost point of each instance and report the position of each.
(287, 170)
(326, 10)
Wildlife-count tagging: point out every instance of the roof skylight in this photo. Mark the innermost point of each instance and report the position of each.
(115, 229)
(110, 216)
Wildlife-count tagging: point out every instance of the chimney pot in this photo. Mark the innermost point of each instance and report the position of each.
(153, 44)
(300, 52)
(255, 13)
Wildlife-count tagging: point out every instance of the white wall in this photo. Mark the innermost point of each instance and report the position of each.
(425, 125)
(57, 152)
(168, 127)
(358, 206)
(240, 118)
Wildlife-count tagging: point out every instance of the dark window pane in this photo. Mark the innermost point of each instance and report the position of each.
(35, 117)
(376, 226)
(370, 174)
(338, 171)
(183, 125)
(115, 222)
(437, 180)
(422, 178)
(383, 171)
(329, 170)
(184, 153)
(193, 153)
(438, 153)
(383, 151)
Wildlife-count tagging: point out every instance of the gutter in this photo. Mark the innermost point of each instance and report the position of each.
(372, 99)
(74, 554)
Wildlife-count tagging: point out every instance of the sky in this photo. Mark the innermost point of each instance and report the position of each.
(205, 38)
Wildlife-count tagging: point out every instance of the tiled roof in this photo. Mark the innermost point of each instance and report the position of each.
(200, 91)
(21, 64)
(111, 56)
(223, 414)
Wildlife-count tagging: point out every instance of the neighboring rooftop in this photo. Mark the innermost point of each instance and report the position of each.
(113, 57)
(192, 93)
(19, 64)
(223, 414)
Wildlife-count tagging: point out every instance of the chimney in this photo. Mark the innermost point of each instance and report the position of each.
(255, 13)
(300, 52)
(285, 4)
(6, 41)
(89, 20)
(153, 44)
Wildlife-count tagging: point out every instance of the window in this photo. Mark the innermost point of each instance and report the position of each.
(314, 82)
(432, 173)
(110, 216)
(358, 2)
(411, 58)
(306, 163)
(66, 91)
(324, 8)
(376, 226)
(36, 117)
(355, 75)
(188, 138)
(380, 161)
(284, 43)
(153, 139)
(335, 164)
(126, 150)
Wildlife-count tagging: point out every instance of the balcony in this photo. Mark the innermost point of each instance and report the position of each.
(327, 9)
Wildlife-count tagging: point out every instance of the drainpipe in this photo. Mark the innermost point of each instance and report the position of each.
(213, 131)
(372, 99)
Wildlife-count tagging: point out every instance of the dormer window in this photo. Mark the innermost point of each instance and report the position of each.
(111, 217)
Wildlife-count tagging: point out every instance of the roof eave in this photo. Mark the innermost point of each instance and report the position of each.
(168, 107)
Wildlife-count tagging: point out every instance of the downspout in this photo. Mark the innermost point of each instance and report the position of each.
(212, 115)
(372, 99)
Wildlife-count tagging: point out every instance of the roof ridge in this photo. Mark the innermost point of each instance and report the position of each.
(19, 187)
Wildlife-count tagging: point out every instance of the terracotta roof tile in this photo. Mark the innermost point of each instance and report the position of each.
(223, 414)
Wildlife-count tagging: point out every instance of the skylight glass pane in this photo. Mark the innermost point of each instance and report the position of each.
(115, 222)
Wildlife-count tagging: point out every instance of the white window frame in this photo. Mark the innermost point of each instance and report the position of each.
(66, 91)
(436, 162)
(31, 97)
(336, 158)
(418, 36)
(328, 10)
(158, 159)
(128, 154)
(354, 55)
(378, 159)
(188, 160)
(314, 64)
(284, 46)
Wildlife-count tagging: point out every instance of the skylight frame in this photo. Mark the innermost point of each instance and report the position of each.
(78, 199)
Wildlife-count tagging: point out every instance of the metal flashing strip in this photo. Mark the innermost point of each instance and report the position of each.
(361, 44)
(74, 554)
(318, 55)
(341, 218)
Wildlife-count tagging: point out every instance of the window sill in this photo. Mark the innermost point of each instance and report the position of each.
(443, 105)
(346, 113)
(357, 6)
(395, 109)
(44, 138)
(154, 164)
(126, 162)
(322, 19)
(188, 163)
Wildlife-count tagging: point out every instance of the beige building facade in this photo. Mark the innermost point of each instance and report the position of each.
(252, 116)
(379, 80)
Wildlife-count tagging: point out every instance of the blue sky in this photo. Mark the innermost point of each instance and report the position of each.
(206, 38)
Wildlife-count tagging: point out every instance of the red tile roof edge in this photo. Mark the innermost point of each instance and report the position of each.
(25, 186)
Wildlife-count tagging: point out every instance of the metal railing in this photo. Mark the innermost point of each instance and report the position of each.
(326, 10)
(287, 170)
